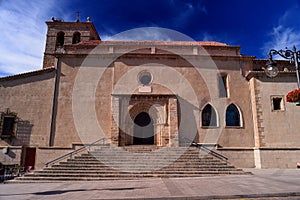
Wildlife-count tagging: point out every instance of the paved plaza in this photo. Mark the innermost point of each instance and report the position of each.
(263, 184)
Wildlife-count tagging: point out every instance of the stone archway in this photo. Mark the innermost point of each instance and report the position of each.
(143, 131)
(161, 109)
(142, 117)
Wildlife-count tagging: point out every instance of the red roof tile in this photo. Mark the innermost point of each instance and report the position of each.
(35, 72)
(202, 43)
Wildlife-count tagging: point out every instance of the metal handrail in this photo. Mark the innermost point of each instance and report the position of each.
(211, 152)
(201, 146)
(74, 152)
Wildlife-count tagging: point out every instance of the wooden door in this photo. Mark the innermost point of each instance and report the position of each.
(30, 153)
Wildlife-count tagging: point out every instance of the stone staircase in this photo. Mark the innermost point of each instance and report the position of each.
(109, 163)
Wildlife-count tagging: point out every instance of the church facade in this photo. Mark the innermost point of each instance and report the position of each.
(132, 93)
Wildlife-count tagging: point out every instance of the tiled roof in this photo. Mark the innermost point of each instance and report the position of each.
(202, 43)
(26, 74)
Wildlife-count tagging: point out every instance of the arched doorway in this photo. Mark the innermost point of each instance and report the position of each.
(143, 130)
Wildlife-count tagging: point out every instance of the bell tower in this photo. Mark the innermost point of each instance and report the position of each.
(62, 33)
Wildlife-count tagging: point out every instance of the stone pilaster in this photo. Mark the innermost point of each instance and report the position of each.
(173, 122)
(159, 129)
(115, 121)
(257, 120)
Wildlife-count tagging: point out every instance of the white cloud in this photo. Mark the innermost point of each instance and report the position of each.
(285, 35)
(149, 34)
(23, 32)
(282, 37)
(209, 37)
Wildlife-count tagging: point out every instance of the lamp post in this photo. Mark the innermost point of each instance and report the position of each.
(293, 55)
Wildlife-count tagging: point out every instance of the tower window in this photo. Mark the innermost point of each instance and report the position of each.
(223, 85)
(60, 39)
(76, 38)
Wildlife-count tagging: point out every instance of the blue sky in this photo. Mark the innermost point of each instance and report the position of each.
(255, 25)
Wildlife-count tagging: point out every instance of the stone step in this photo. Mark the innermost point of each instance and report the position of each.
(194, 171)
(104, 154)
(107, 163)
(183, 158)
(110, 171)
(100, 165)
(69, 178)
(126, 174)
(74, 167)
(122, 151)
(146, 158)
(149, 168)
(67, 164)
(125, 168)
(139, 155)
(121, 160)
(129, 165)
(142, 157)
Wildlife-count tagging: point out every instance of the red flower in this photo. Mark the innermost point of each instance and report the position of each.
(293, 96)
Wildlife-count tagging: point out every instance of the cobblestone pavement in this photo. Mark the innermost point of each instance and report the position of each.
(263, 184)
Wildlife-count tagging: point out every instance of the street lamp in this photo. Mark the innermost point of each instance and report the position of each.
(293, 55)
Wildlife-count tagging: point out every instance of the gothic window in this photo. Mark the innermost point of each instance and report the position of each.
(76, 38)
(209, 116)
(223, 85)
(60, 39)
(233, 117)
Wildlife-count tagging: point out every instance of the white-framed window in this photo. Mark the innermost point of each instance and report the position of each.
(209, 117)
(233, 116)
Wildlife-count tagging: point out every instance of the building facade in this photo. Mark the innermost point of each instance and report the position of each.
(164, 94)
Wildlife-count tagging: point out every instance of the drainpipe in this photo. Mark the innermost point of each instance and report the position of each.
(55, 102)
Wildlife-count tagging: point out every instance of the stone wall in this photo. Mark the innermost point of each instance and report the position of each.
(65, 132)
(280, 127)
(45, 155)
(169, 76)
(239, 157)
(30, 97)
(280, 158)
(238, 94)
(13, 157)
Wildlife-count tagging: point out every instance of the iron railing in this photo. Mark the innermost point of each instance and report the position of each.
(70, 154)
(207, 150)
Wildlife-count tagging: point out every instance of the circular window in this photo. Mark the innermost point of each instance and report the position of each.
(145, 77)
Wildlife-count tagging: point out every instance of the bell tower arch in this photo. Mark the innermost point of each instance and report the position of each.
(60, 33)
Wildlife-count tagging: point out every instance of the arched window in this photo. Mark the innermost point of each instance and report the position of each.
(233, 117)
(209, 116)
(76, 38)
(60, 39)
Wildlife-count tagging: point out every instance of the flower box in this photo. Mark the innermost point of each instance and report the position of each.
(294, 97)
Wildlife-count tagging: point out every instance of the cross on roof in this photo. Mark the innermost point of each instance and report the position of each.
(77, 16)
